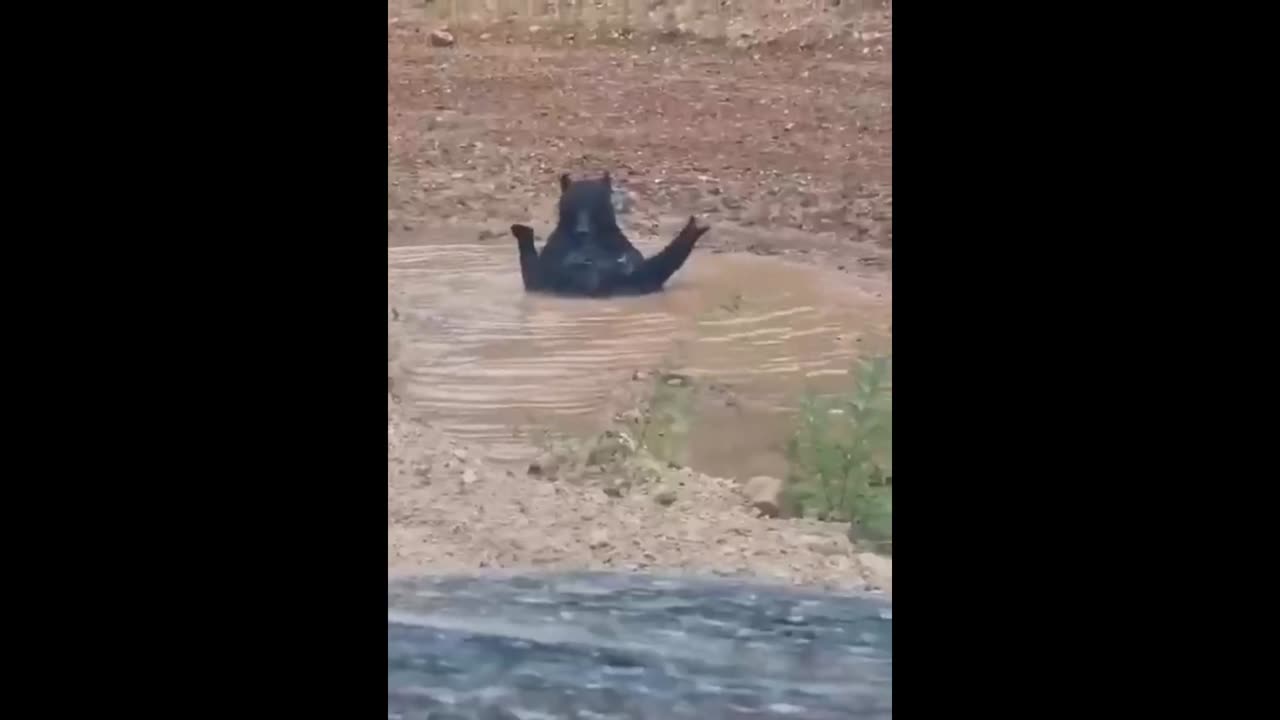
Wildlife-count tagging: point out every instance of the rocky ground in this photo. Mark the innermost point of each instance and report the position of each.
(779, 138)
(448, 511)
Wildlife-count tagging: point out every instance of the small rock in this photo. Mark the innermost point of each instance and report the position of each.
(610, 447)
(877, 570)
(468, 476)
(665, 497)
(485, 36)
(599, 539)
(460, 453)
(442, 38)
(765, 494)
(828, 546)
(629, 417)
(546, 466)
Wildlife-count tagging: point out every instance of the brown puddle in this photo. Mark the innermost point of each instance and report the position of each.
(489, 363)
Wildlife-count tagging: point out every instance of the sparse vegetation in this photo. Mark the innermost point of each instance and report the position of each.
(665, 433)
(841, 457)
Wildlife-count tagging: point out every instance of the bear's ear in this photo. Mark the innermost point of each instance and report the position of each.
(608, 181)
(564, 182)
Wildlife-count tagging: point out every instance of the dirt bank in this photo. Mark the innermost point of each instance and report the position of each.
(450, 510)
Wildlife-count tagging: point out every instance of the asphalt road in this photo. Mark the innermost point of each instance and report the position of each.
(598, 646)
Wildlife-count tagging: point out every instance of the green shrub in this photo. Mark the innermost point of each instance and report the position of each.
(841, 457)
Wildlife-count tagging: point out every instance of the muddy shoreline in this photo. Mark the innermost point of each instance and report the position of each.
(499, 367)
(450, 510)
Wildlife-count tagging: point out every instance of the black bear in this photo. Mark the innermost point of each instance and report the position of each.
(587, 254)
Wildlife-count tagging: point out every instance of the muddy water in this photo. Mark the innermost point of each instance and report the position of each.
(489, 363)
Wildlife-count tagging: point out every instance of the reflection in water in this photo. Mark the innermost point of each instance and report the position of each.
(488, 362)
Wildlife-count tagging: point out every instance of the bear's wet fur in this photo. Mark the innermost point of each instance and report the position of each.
(588, 255)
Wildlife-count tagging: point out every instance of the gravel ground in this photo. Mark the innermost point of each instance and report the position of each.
(450, 510)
